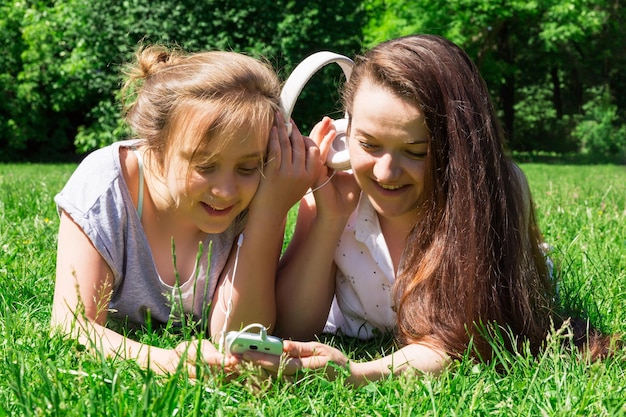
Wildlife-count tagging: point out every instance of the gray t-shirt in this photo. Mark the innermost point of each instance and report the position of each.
(97, 199)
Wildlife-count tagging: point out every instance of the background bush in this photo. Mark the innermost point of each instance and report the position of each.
(553, 67)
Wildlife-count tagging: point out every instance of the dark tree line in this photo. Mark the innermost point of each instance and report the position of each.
(554, 67)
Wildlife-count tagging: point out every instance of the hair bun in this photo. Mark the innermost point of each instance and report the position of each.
(152, 59)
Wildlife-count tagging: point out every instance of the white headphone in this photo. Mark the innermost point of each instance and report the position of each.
(338, 157)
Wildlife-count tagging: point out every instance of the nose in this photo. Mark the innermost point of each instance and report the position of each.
(386, 167)
(223, 186)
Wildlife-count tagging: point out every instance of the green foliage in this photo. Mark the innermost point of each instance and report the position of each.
(599, 131)
(582, 214)
(312, 26)
(11, 134)
(63, 70)
(60, 73)
(538, 58)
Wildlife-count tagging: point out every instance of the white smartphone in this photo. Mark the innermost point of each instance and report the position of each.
(240, 342)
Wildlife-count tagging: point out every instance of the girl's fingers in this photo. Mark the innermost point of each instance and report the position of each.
(204, 351)
(313, 161)
(264, 360)
(325, 143)
(284, 364)
(295, 153)
(284, 139)
(320, 130)
(298, 152)
(274, 146)
(300, 349)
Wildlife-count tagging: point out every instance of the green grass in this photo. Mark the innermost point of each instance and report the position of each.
(581, 209)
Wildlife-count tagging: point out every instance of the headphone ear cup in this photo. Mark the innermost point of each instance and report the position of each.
(338, 156)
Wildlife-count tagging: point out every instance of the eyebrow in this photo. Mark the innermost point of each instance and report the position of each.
(420, 141)
(207, 156)
(254, 155)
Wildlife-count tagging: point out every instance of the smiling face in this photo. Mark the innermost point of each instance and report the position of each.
(212, 169)
(216, 186)
(388, 145)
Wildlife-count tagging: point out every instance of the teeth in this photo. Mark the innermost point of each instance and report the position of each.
(216, 208)
(390, 187)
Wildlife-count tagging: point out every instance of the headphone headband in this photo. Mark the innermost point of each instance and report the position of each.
(303, 73)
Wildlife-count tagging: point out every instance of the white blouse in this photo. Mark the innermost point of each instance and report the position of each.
(363, 304)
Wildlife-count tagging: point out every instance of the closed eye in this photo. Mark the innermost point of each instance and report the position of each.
(416, 155)
(368, 146)
(250, 169)
(206, 168)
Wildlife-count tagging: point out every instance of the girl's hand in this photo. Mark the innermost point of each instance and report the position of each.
(323, 134)
(200, 352)
(337, 198)
(298, 356)
(293, 164)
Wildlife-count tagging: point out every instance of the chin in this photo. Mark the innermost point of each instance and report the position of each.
(213, 230)
(214, 227)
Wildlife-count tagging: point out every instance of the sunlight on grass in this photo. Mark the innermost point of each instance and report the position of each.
(582, 212)
(581, 209)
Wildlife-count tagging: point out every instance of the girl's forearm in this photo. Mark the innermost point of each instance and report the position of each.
(306, 285)
(251, 286)
(419, 357)
(105, 342)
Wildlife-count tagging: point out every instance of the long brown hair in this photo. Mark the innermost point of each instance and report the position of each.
(473, 258)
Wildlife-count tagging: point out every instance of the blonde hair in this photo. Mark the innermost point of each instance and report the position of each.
(206, 96)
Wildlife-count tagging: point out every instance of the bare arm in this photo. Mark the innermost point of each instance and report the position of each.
(415, 356)
(306, 278)
(292, 167)
(314, 355)
(81, 301)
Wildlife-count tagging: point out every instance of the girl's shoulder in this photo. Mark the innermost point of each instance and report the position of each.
(104, 160)
(98, 175)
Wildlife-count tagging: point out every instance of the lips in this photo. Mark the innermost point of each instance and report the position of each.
(216, 211)
(390, 188)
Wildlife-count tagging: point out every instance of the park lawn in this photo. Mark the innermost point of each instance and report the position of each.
(582, 212)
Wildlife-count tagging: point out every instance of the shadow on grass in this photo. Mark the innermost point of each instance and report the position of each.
(381, 345)
(566, 158)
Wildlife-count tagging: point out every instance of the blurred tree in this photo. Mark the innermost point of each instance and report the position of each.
(12, 132)
(313, 26)
(550, 65)
(543, 60)
(66, 57)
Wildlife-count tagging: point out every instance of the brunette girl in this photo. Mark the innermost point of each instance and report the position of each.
(433, 236)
